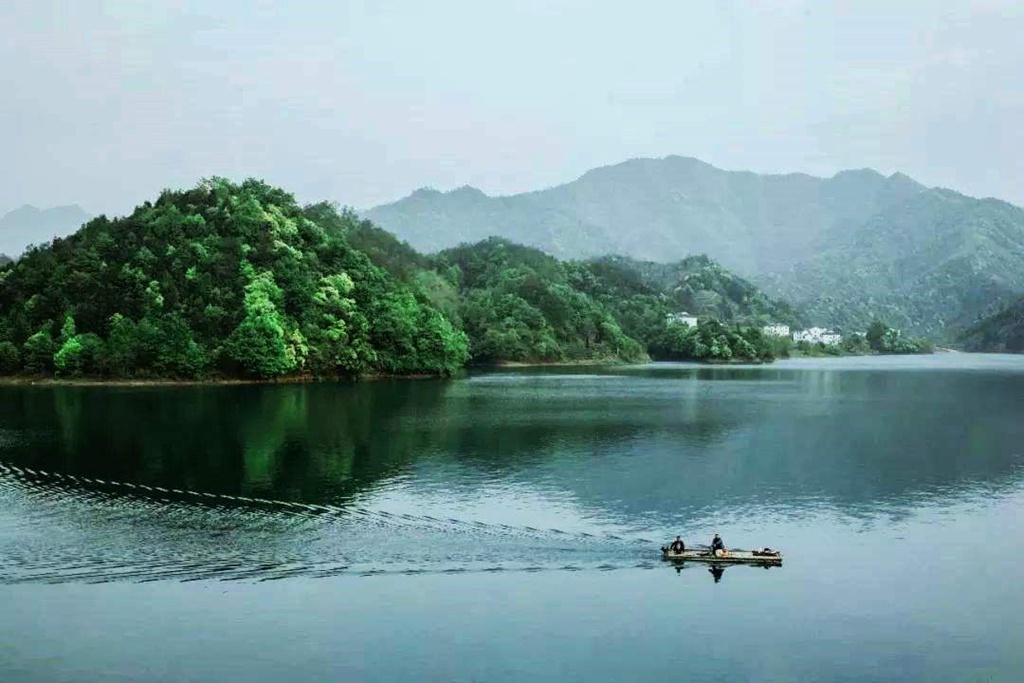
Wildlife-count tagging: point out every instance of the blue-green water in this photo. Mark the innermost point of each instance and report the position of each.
(505, 526)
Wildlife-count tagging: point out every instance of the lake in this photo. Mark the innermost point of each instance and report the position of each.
(505, 526)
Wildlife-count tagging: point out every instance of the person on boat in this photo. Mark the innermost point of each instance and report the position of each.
(677, 545)
(717, 546)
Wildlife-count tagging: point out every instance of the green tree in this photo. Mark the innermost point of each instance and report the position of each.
(855, 343)
(69, 360)
(875, 335)
(38, 350)
(10, 358)
(258, 343)
(67, 330)
(178, 354)
(120, 353)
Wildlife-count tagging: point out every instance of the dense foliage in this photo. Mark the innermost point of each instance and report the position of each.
(710, 340)
(519, 304)
(732, 311)
(225, 279)
(696, 284)
(881, 338)
(999, 333)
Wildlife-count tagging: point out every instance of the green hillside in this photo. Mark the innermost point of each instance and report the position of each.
(224, 279)
(931, 265)
(642, 293)
(514, 298)
(519, 304)
(848, 249)
(999, 333)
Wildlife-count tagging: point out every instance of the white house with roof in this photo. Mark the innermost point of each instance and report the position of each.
(681, 318)
(818, 335)
(775, 330)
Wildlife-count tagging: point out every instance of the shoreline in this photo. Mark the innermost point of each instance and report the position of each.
(22, 381)
(42, 381)
(799, 354)
(553, 364)
(45, 381)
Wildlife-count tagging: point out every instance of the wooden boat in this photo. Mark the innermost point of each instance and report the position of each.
(754, 557)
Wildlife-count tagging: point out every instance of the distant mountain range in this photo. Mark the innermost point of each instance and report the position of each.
(847, 249)
(29, 225)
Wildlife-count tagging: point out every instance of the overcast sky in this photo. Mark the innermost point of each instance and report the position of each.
(106, 103)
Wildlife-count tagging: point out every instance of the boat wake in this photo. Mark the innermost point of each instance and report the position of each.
(60, 528)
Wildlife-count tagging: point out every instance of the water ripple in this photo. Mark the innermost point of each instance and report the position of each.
(62, 528)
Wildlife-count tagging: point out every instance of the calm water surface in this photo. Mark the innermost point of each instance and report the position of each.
(505, 526)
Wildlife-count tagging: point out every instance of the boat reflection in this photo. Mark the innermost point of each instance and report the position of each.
(717, 571)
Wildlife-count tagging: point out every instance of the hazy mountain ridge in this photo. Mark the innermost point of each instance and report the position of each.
(29, 225)
(849, 248)
(934, 263)
(656, 209)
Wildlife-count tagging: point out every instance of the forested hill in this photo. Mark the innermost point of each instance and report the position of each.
(849, 249)
(999, 333)
(28, 225)
(225, 279)
(697, 284)
(518, 303)
(932, 266)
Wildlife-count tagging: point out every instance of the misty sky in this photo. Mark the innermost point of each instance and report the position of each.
(105, 103)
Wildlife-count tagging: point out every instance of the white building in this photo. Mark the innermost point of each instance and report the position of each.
(818, 335)
(681, 318)
(775, 330)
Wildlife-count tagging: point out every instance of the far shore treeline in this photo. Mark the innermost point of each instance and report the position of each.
(239, 281)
